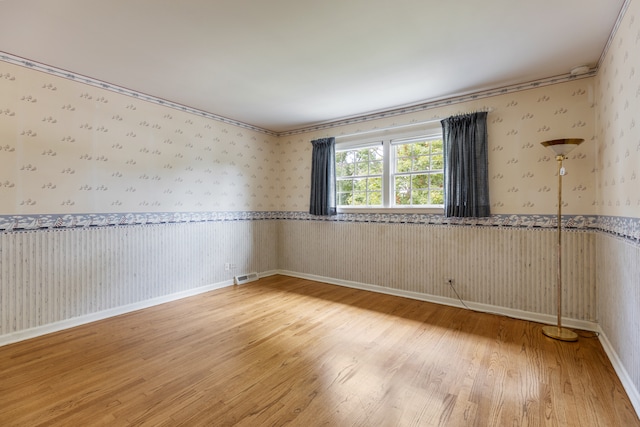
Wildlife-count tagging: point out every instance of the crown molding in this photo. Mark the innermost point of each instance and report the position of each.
(427, 105)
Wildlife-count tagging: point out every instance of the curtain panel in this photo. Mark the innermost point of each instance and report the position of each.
(466, 182)
(323, 177)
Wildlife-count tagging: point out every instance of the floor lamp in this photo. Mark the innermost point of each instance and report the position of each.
(561, 147)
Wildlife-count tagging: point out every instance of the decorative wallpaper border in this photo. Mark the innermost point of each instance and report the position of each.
(625, 228)
(47, 221)
(614, 31)
(15, 60)
(65, 221)
(442, 103)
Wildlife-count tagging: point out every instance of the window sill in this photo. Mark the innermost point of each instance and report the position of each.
(417, 210)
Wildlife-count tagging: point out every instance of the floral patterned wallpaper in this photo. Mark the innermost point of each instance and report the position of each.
(73, 148)
(523, 177)
(67, 147)
(618, 116)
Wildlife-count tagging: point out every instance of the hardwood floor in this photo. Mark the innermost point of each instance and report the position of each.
(286, 351)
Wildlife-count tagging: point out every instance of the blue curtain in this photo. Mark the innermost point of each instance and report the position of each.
(323, 177)
(466, 182)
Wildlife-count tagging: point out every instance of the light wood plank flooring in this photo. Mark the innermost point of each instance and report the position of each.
(286, 351)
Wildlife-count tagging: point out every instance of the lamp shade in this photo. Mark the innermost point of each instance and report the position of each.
(562, 147)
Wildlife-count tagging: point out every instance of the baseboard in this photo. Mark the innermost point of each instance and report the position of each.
(268, 273)
(625, 379)
(629, 386)
(485, 308)
(100, 315)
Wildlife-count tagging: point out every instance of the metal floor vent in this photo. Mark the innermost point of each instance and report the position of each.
(245, 278)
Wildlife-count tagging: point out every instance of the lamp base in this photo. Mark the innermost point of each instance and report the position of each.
(562, 334)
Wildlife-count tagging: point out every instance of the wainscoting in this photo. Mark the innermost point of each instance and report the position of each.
(53, 279)
(49, 276)
(287, 351)
(618, 275)
(509, 268)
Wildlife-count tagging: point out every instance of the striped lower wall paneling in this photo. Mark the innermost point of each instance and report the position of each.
(512, 268)
(49, 276)
(51, 279)
(618, 275)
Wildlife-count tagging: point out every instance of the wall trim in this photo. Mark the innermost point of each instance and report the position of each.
(113, 312)
(632, 392)
(484, 308)
(88, 220)
(626, 228)
(441, 102)
(65, 74)
(625, 379)
(618, 366)
(614, 31)
(105, 314)
(425, 105)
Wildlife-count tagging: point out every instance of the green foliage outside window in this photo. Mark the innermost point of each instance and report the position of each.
(416, 175)
(359, 177)
(418, 178)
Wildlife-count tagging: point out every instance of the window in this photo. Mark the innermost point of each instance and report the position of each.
(399, 171)
(418, 178)
(359, 176)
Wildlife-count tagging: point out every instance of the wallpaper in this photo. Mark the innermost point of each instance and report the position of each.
(523, 173)
(618, 197)
(85, 154)
(618, 97)
(67, 147)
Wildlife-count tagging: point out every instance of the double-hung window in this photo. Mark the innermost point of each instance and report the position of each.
(418, 172)
(359, 175)
(392, 171)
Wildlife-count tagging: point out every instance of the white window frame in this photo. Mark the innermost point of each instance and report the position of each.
(358, 145)
(387, 139)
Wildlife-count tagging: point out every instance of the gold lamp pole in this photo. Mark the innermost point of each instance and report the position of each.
(561, 147)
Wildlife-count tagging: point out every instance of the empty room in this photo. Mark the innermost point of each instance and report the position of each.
(407, 213)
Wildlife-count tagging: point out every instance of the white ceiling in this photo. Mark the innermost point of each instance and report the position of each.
(288, 64)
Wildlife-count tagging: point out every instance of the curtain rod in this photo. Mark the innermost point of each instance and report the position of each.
(426, 122)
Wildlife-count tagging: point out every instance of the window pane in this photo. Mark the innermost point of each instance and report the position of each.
(403, 198)
(345, 185)
(437, 161)
(363, 155)
(420, 197)
(421, 163)
(402, 187)
(420, 182)
(375, 168)
(437, 197)
(376, 153)
(362, 168)
(360, 184)
(360, 198)
(403, 164)
(421, 148)
(403, 150)
(402, 183)
(344, 199)
(375, 198)
(375, 184)
(437, 180)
